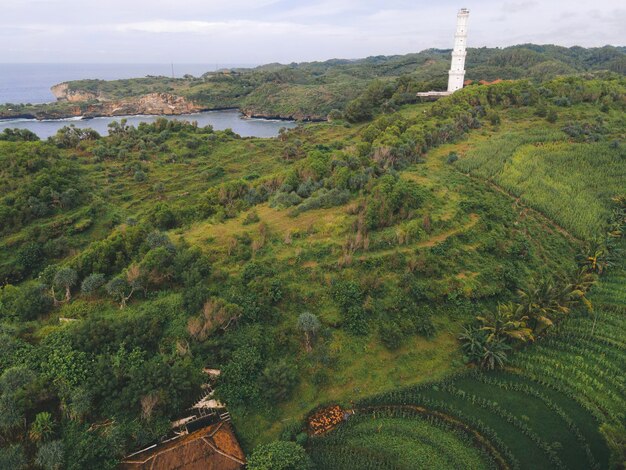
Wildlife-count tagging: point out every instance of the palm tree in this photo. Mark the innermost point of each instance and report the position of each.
(538, 304)
(596, 259)
(495, 354)
(473, 341)
(42, 428)
(506, 322)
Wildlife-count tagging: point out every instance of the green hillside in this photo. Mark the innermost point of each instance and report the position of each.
(343, 262)
(312, 90)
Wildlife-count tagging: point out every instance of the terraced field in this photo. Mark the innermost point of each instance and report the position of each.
(398, 439)
(543, 412)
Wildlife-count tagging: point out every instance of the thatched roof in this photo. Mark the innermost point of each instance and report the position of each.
(214, 447)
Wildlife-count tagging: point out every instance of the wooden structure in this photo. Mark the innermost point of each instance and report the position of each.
(213, 447)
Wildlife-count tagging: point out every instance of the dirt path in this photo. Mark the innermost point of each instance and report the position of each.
(526, 208)
(474, 218)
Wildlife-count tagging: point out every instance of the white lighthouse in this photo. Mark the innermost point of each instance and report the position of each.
(456, 75)
(457, 67)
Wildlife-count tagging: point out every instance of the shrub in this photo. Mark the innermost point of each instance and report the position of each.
(552, 116)
(452, 157)
(323, 199)
(139, 176)
(50, 455)
(391, 335)
(278, 381)
(283, 200)
(92, 283)
(279, 455)
(24, 303)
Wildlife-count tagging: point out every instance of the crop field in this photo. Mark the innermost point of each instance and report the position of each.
(544, 411)
(398, 439)
(570, 182)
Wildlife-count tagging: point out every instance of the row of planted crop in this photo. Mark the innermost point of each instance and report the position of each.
(482, 435)
(582, 383)
(600, 369)
(494, 408)
(438, 437)
(586, 346)
(527, 389)
(563, 384)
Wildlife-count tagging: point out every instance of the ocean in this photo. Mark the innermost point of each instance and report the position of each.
(30, 83)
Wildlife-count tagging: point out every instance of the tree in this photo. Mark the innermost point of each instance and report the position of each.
(24, 303)
(92, 283)
(42, 428)
(494, 354)
(122, 289)
(65, 278)
(118, 288)
(309, 324)
(50, 455)
(505, 322)
(278, 380)
(279, 455)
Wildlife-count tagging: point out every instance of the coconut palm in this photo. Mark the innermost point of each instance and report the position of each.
(506, 322)
(495, 354)
(537, 303)
(42, 428)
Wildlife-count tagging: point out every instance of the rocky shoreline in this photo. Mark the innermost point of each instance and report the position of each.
(85, 104)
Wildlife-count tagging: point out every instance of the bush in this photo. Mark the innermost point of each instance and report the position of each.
(279, 455)
(552, 116)
(12, 457)
(25, 303)
(452, 157)
(50, 455)
(391, 335)
(92, 283)
(278, 381)
(139, 176)
(283, 200)
(349, 296)
(323, 199)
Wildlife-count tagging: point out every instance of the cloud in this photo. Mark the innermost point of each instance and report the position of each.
(518, 6)
(256, 31)
(235, 27)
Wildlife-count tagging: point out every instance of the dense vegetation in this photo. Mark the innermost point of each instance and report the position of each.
(313, 90)
(338, 262)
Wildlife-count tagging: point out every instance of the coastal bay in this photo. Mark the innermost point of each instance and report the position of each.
(220, 120)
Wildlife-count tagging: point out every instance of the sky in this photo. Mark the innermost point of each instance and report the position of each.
(264, 31)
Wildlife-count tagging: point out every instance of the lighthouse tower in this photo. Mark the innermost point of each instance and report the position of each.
(457, 67)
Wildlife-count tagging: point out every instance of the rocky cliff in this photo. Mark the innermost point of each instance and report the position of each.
(153, 103)
(62, 92)
(84, 104)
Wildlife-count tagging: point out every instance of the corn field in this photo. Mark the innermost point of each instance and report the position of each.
(544, 170)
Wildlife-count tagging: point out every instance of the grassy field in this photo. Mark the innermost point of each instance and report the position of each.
(546, 409)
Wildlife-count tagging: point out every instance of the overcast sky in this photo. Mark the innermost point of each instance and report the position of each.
(262, 31)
